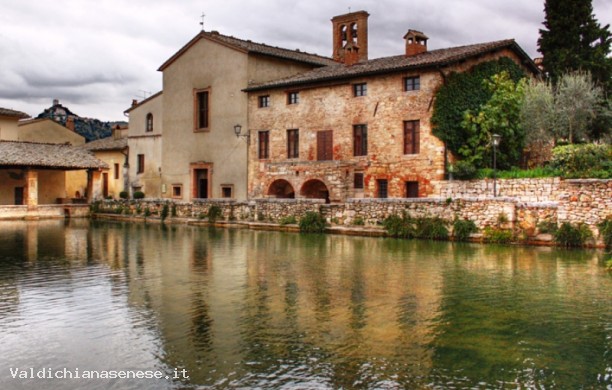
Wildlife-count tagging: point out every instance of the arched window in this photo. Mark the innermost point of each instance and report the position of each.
(149, 122)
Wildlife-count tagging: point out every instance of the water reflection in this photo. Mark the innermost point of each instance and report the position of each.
(251, 309)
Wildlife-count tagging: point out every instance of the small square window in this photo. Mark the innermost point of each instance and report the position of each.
(293, 98)
(227, 191)
(264, 101)
(177, 191)
(360, 89)
(383, 185)
(412, 189)
(412, 83)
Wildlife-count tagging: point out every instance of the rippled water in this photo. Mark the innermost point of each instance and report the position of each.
(247, 309)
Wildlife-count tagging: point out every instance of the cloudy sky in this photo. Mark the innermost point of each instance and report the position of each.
(96, 56)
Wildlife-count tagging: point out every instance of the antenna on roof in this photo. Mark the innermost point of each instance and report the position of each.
(145, 93)
(349, 10)
(202, 22)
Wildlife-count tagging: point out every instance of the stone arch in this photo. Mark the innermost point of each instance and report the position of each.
(281, 189)
(315, 189)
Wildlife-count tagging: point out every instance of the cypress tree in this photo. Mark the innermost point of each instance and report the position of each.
(574, 40)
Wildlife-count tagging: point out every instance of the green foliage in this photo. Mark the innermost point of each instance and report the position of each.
(574, 41)
(358, 221)
(516, 173)
(164, 212)
(147, 212)
(547, 227)
(260, 216)
(462, 228)
(312, 222)
(588, 160)
(464, 170)
(138, 209)
(502, 218)
(499, 115)
(123, 194)
(569, 235)
(605, 231)
(289, 220)
(431, 228)
(95, 207)
(173, 210)
(139, 195)
(498, 236)
(463, 92)
(214, 213)
(400, 226)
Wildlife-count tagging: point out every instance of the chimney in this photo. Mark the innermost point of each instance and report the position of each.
(55, 102)
(134, 102)
(416, 43)
(350, 37)
(70, 123)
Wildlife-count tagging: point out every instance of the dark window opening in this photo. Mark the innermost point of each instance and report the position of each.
(360, 140)
(263, 145)
(382, 188)
(412, 189)
(358, 181)
(203, 110)
(293, 143)
(141, 163)
(411, 137)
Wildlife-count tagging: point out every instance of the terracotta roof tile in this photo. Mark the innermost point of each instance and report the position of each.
(108, 143)
(40, 155)
(253, 47)
(13, 113)
(393, 64)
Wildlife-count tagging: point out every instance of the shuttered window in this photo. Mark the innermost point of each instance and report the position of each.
(325, 145)
(263, 144)
(411, 137)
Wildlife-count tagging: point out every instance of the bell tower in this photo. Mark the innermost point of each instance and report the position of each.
(350, 37)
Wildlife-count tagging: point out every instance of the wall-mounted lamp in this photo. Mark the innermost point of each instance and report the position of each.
(495, 140)
(238, 133)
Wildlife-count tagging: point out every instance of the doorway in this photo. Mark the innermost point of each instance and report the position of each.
(19, 196)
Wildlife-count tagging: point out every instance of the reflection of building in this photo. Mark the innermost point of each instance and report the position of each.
(358, 128)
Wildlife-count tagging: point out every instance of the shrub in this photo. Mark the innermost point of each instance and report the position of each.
(605, 231)
(139, 195)
(312, 222)
(547, 227)
(214, 213)
(173, 210)
(462, 228)
(588, 160)
(569, 235)
(400, 226)
(502, 218)
(431, 228)
(358, 221)
(138, 209)
(260, 216)
(464, 170)
(498, 236)
(124, 195)
(95, 207)
(147, 212)
(290, 220)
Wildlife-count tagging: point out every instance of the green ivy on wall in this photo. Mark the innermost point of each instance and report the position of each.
(466, 91)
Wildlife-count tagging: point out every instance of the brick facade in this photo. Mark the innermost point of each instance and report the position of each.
(332, 105)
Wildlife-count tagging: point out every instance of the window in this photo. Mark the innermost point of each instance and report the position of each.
(264, 101)
(325, 145)
(263, 144)
(141, 163)
(177, 190)
(149, 122)
(293, 143)
(227, 191)
(293, 98)
(360, 89)
(382, 188)
(411, 137)
(116, 171)
(202, 102)
(412, 83)
(412, 189)
(358, 181)
(360, 140)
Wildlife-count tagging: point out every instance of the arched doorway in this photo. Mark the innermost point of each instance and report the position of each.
(281, 189)
(315, 189)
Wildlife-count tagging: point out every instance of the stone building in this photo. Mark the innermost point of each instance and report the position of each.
(199, 155)
(358, 128)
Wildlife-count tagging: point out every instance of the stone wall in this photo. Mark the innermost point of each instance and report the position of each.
(575, 201)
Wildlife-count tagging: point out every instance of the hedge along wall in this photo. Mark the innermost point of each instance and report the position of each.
(575, 201)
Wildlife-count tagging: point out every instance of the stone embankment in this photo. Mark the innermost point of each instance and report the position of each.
(522, 205)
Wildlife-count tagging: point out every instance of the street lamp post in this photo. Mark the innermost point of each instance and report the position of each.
(495, 140)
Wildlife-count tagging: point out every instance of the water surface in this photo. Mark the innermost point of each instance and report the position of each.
(250, 309)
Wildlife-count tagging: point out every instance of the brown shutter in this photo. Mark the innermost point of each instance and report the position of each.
(417, 137)
(325, 144)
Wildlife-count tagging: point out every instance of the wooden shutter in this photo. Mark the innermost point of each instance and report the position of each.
(325, 145)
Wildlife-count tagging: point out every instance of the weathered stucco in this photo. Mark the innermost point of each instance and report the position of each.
(48, 131)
